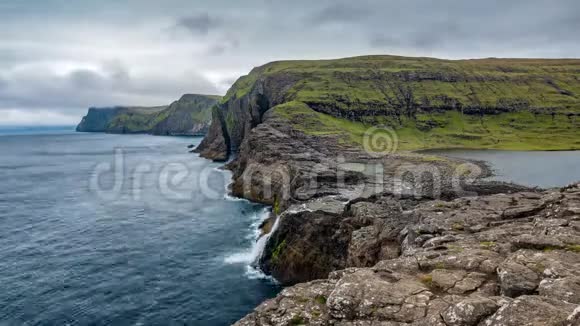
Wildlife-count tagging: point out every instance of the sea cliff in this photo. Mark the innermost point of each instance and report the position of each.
(382, 234)
(190, 115)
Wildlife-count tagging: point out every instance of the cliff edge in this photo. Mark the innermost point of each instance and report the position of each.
(190, 115)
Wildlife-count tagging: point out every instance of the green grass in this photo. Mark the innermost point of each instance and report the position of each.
(508, 131)
(427, 280)
(297, 320)
(276, 253)
(455, 248)
(320, 299)
(458, 226)
(573, 248)
(276, 207)
(241, 87)
(136, 121)
(487, 244)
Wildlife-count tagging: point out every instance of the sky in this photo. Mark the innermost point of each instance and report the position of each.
(59, 57)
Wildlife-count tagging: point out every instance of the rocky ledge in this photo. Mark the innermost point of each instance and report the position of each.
(503, 259)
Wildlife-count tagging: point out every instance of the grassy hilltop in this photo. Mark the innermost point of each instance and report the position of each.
(520, 104)
(136, 119)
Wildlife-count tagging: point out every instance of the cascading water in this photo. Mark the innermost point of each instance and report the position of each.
(262, 241)
(251, 256)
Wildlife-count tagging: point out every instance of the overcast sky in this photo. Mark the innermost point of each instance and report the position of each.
(58, 57)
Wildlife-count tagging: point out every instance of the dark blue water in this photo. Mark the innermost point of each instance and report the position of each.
(121, 230)
(544, 169)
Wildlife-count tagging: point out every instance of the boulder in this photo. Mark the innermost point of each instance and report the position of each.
(469, 312)
(532, 311)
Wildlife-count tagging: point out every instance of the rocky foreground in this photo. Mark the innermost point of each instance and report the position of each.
(504, 259)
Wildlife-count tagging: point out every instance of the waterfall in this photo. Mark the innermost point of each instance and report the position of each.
(251, 256)
(263, 240)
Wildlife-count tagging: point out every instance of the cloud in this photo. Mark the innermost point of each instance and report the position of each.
(434, 36)
(86, 79)
(224, 45)
(39, 87)
(200, 24)
(338, 13)
(516, 28)
(149, 52)
(40, 117)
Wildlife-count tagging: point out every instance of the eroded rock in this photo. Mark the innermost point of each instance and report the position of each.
(469, 312)
(532, 311)
(463, 262)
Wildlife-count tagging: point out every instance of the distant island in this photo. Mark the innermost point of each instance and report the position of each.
(188, 116)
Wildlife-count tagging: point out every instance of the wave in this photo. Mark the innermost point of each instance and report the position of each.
(229, 197)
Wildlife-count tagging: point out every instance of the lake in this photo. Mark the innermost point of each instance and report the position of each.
(538, 168)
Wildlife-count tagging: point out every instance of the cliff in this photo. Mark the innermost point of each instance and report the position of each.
(383, 234)
(431, 103)
(97, 119)
(190, 115)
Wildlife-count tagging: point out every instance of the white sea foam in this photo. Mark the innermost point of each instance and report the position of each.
(252, 254)
(254, 273)
(250, 257)
(229, 197)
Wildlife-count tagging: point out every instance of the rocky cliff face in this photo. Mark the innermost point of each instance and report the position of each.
(190, 115)
(235, 117)
(97, 119)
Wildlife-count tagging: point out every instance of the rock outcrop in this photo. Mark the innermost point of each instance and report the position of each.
(505, 259)
(190, 116)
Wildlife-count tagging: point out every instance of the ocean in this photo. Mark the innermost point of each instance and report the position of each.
(100, 229)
